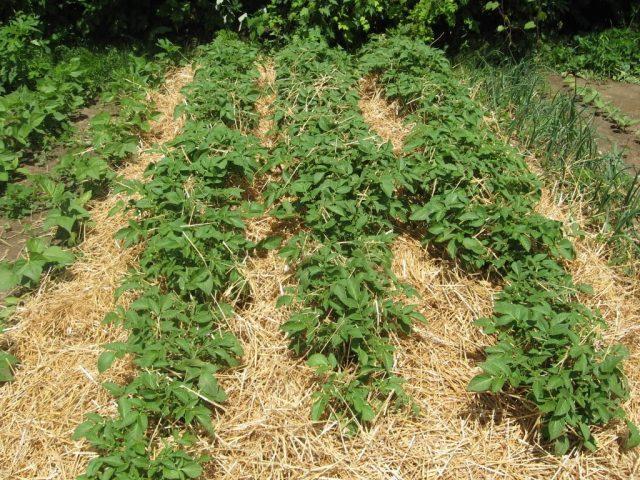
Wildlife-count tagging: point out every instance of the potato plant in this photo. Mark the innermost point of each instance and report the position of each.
(82, 174)
(340, 186)
(191, 217)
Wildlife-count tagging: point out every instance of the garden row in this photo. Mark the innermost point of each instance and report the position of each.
(548, 342)
(84, 172)
(462, 191)
(191, 217)
(340, 188)
(45, 85)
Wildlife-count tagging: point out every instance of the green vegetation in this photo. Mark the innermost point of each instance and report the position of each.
(84, 171)
(345, 22)
(611, 53)
(191, 219)
(46, 90)
(563, 140)
(481, 211)
(345, 305)
(39, 110)
(342, 193)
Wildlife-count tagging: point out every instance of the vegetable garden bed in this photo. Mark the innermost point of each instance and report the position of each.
(311, 253)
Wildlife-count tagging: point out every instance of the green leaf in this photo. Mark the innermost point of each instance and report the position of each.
(474, 245)
(386, 183)
(530, 25)
(270, 243)
(421, 214)
(556, 427)
(633, 437)
(563, 407)
(284, 300)
(209, 387)
(205, 422)
(318, 360)
(58, 255)
(7, 364)
(561, 445)
(565, 249)
(8, 279)
(82, 430)
(318, 408)
(105, 360)
(480, 383)
(193, 470)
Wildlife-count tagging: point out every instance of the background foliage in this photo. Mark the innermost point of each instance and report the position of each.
(346, 22)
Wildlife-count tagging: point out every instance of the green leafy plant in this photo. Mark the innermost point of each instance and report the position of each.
(548, 343)
(68, 218)
(562, 137)
(40, 258)
(190, 215)
(25, 53)
(611, 53)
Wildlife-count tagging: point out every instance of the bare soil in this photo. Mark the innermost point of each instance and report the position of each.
(625, 96)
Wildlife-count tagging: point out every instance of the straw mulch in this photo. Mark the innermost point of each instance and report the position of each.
(59, 333)
(265, 430)
(381, 114)
(264, 105)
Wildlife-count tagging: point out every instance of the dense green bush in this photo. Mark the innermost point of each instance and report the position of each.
(347, 22)
(613, 53)
(107, 19)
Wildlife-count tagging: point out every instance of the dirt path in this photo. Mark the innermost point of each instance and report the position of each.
(626, 97)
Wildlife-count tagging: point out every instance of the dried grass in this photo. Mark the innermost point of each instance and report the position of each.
(264, 105)
(59, 332)
(382, 115)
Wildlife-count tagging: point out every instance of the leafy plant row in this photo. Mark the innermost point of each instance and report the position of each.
(45, 89)
(191, 216)
(338, 185)
(28, 117)
(474, 198)
(84, 172)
